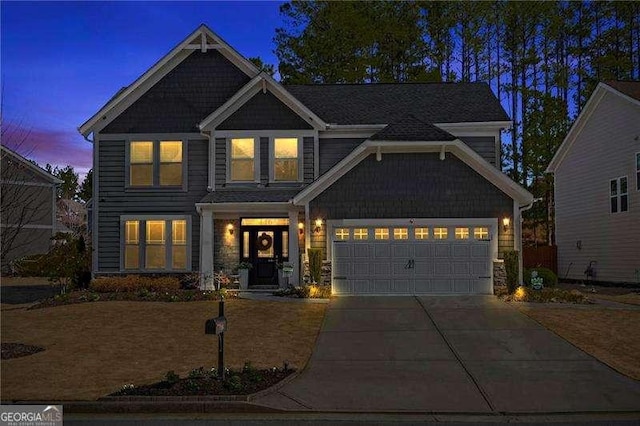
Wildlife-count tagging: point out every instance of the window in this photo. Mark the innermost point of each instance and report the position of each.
(481, 233)
(381, 233)
(245, 244)
(619, 195)
(342, 234)
(360, 234)
(440, 233)
(146, 169)
(242, 160)
(421, 233)
(638, 171)
(285, 244)
(400, 234)
(156, 244)
(462, 233)
(285, 161)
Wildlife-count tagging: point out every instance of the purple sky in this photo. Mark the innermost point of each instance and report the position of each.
(61, 61)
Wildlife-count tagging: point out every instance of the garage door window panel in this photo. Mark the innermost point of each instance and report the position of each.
(481, 233)
(400, 234)
(342, 234)
(440, 233)
(462, 233)
(421, 233)
(381, 233)
(360, 234)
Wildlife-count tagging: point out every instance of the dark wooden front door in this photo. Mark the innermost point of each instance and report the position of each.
(266, 246)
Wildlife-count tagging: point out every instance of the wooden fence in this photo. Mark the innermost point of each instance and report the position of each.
(542, 256)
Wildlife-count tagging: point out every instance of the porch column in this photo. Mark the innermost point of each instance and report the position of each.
(294, 257)
(206, 250)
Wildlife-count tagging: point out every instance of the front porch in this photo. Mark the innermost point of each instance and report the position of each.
(265, 237)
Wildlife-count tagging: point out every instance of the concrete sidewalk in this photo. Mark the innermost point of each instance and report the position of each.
(449, 354)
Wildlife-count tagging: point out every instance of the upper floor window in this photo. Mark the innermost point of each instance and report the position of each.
(156, 163)
(242, 163)
(619, 195)
(286, 164)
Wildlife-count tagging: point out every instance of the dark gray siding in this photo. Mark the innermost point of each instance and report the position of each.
(411, 185)
(264, 112)
(307, 158)
(334, 150)
(185, 96)
(113, 201)
(483, 145)
(264, 161)
(221, 162)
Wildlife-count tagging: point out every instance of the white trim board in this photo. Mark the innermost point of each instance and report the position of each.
(456, 147)
(161, 68)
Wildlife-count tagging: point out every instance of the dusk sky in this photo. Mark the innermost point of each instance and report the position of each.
(61, 61)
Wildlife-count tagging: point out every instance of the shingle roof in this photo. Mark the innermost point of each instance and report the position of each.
(257, 195)
(629, 88)
(386, 103)
(410, 128)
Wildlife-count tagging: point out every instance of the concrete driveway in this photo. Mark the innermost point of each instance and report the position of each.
(448, 354)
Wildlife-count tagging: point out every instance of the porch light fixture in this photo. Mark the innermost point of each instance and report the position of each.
(300, 228)
(230, 228)
(318, 227)
(505, 223)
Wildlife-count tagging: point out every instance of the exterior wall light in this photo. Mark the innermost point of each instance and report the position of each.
(318, 227)
(300, 228)
(505, 223)
(230, 228)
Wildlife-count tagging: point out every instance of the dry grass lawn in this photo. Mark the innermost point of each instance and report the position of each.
(630, 299)
(93, 349)
(24, 281)
(612, 336)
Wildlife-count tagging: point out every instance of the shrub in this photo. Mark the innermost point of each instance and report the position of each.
(511, 267)
(549, 278)
(315, 264)
(171, 377)
(135, 283)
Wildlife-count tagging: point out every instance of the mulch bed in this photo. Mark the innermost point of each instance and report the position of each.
(84, 296)
(243, 382)
(17, 350)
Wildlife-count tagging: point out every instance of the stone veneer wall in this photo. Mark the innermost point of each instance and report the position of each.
(226, 248)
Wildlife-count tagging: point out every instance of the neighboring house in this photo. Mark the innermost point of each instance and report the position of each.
(597, 188)
(71, 216)
(28, 203)
(205, 162)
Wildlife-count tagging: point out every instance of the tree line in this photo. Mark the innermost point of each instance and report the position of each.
(542, 60)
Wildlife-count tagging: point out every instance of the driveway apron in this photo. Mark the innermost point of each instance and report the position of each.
(448, 354)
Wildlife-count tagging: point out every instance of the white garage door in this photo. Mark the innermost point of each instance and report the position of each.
(412, 260)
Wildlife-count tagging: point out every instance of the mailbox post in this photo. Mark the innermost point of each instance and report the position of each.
(218, 326)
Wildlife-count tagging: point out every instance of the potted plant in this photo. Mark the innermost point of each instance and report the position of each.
(243, 274)
(285, 270)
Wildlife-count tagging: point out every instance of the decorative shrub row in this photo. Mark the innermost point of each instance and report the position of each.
(135, 283)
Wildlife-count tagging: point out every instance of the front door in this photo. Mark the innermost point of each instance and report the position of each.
(267, 246)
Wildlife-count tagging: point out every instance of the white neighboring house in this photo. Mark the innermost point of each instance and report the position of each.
(597, 188)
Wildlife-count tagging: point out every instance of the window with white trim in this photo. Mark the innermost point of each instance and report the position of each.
(286, 160)
(381, 233)
(155, 244)
(342, 234)
(156, 163)
(242, 160)
(462, 233)
(360, 234)
(421, 233)
(619, 195)
(440, 233)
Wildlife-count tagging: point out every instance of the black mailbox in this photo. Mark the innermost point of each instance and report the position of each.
(216, 325)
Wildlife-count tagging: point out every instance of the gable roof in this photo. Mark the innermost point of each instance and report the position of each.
(410, 128)
(384, 103)
(29, 165)
(625, 90)
(202, 38)
(629, 88)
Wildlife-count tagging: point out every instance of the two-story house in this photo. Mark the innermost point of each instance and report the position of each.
(205, 162)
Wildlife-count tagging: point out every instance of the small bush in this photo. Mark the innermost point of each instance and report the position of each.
(135, 283)
(549, 278)
(511, 267)
(233, 383)
(171, 377)
(315, 264)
